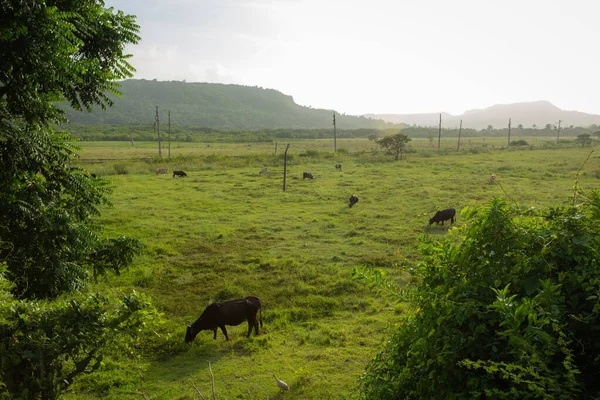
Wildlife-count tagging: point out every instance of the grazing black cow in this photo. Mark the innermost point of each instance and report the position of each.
(179, 173)
(307, 175)
(233, 313)
(353, 200)
(338, 167)
(443, 215)
(93, 175)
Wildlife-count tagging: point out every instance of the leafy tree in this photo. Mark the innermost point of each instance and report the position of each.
(49, 245)
(534, 126)
(504, 307)
(520, 127)
(548, 127)
(490, 128)
(63, 50)
(394, 145)
(585, 139)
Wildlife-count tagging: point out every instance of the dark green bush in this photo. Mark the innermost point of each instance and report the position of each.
(519, 142)
(45, 345)
(505, 307)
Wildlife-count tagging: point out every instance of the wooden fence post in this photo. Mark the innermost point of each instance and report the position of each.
(285, 166)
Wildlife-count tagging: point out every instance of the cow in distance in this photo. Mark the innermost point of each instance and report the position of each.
(443, 215)
(306, 175)
(233, 313)
(179, 173)
(338, 166)
(352, 200)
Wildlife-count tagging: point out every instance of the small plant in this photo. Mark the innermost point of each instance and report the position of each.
(121, 168)
(520, 142)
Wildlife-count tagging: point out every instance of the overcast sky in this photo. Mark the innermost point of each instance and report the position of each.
(379, 56)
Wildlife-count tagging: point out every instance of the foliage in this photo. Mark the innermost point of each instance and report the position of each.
(215, 105)
(52, 51)
(394, 145)
(71, 51)
(506, 307)
(44, 346)
(520, 142)
(585, 139)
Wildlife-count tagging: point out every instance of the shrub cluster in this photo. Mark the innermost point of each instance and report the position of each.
(505, 307)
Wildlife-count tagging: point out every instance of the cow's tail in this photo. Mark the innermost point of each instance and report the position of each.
(260, 316)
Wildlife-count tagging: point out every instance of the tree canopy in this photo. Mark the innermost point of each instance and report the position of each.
(59, 50)
(394, 145)
(49, 246)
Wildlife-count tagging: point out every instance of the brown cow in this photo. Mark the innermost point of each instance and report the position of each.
(233, 313)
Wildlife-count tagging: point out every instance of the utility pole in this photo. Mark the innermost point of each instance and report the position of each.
(459, 131)
(558, 131)
(169, 135)
(157, 127)
(440, 132)
(334, 135)
(509, 121)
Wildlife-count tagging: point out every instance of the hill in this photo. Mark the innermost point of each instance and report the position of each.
(539, 113)
(214, 105)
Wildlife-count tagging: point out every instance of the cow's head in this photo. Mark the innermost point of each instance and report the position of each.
(190, 334)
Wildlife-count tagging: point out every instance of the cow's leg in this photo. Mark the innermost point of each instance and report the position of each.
(224, 331)
(451, 220)
(252, 323)
(215, 333)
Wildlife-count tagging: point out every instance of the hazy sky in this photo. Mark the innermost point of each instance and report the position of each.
(379, 56)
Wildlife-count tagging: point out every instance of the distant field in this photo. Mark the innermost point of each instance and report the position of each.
(225, 232)
(141, 150)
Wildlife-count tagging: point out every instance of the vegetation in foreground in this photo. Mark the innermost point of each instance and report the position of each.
(50, 246)
(505, 307)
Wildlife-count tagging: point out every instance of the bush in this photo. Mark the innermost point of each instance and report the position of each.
(519, 142)
(45, 345)
(505, 307)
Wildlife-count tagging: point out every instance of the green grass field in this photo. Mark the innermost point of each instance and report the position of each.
(226, 232)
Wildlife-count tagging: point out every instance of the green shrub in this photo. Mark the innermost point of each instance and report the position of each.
(519, 142)
(45, 345)
(121, 168)
(505, 307)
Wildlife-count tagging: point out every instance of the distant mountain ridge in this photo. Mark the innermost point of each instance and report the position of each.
(213, 105)
(539, 113)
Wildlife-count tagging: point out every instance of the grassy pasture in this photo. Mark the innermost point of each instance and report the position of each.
(225, 232)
